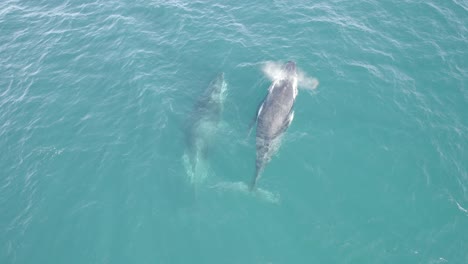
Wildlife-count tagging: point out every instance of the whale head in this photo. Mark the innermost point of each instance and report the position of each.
(290, 69)
(218, 88)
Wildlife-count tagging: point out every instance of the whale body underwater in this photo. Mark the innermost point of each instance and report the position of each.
(202, 128)
(274, 116)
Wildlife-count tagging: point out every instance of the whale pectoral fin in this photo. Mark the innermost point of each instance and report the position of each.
(290, 119)
(253, 184)
(259, 110)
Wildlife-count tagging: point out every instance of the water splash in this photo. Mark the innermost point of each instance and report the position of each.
(242, 187)
(306, 82)
(274, 71)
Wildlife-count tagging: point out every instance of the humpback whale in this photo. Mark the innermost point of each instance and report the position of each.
(202, 128)
(274, 116)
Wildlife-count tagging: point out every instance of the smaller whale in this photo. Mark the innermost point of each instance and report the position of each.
(274, 116)
(202, 127)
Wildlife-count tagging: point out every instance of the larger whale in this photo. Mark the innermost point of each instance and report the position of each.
(274, 116)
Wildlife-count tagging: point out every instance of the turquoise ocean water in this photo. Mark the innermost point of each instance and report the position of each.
(95, 97)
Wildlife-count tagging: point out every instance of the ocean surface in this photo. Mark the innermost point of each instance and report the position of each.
(98, 101)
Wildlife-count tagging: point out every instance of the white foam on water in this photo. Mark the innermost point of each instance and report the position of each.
(242, 187)
(461, 208)
(273, 70)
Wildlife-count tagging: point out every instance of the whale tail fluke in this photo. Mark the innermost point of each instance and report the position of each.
(253, 184)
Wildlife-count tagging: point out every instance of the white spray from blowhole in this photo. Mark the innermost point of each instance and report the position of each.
(274, 71)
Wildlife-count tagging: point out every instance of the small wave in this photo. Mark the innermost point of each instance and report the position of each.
(242, 187)
(461, 208)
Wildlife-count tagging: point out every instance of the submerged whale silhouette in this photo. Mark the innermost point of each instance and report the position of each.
(202, 128)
